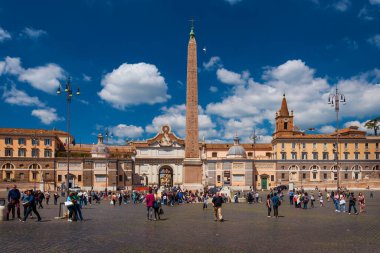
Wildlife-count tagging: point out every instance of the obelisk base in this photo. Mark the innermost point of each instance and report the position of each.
(192, 174)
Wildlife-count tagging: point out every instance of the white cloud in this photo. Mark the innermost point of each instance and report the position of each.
(214, 62)
(232, 2)
(327, 129)
(375, 40)
(374, 2)
(213, 89)
(356, 123)
(19, 97)
(175, 116)
(342, 5)
(86, 78)
(32, 33)
(43, 78)
(366, 14)
(46, 115)
(123, 131)
(134, 84)
(230, 77)
(4, 35)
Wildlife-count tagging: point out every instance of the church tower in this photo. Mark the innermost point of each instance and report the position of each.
(192, 163)
(284, 120)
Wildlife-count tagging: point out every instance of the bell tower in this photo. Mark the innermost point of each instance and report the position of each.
(284, 120)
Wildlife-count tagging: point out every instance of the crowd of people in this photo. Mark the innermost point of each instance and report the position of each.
(156, 198)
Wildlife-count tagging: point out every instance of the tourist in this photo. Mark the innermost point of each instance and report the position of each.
(342, 203)
(352, 204)
(149, 199)
(31, 206)
(217, 202)
(371, 195)
(120, 198)
(291, 196)
(71, 208)
(305, 200)
(77, 207)
(56, 196)
(39, 196)
(257, 197)
(14, 201)
(328, 197)
(205, 199)
(361, 200)
(113, 199)
(312, 199)
(269, 206)
(321, 201)
(276, 203)
(47, 197)
(236, 198)
(156, 206)
(336, 201)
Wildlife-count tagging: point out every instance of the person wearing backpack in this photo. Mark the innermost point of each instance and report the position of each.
(276, 203)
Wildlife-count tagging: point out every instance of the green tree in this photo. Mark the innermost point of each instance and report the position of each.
(373, 124)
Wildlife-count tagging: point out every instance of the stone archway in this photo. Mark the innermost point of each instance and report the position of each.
(165, 176)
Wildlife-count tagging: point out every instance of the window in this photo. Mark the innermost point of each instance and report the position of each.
(22, 152)
(282, 145)
(345, 145)
(377, 145)
(356, 175)
(79, 178)
(8, 141)
(218, 178)
(120, 178)
(303, 175)
(256, 178)
(314, 175)
(8, 175)
(304, 155)
(283, 155)
(22, 176)
(324, 167)
(335, 176)
(345, 175)
(21, 141)
(8, 152)
(366, 145)
(325, 155)
(47, 153)
(356, 155)
(294, 155)
(315, 155)
(34, 175)
(100, 178)
(35, 142)
(356, 145)
(366, 155)
(272, 178)
(250, 154)
(377, 155)
(35, 152)
(304, 145)
(286, 125)
(214, 154)
(59, 178)
(293, 145)
(282, 175)
(324, 175)
(346, 155)
(324, 145)
(47, 142)
(314, 145)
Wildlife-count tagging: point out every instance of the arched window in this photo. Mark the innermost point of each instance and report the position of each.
(376, 167)
(8, 166)
(34, 166)
(293, 167)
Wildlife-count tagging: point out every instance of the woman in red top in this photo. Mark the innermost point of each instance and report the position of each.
(149, 199)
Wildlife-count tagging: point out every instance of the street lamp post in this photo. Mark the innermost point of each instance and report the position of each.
(34, 140)
(254, 138)
(334, 100)
(69, 94)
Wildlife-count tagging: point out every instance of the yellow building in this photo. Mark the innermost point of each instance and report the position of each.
(309, 160)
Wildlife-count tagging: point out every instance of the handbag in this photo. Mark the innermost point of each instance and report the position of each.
(68, 203)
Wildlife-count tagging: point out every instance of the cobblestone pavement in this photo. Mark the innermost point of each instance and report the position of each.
(188, 228)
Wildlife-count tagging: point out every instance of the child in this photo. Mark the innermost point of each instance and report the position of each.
(321, 201)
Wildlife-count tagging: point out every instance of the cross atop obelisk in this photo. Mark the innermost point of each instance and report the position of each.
(192, 162)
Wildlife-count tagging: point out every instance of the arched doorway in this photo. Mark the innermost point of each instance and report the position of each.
(264, 181)
(165, 177)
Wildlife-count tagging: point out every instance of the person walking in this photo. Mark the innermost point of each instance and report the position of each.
(149, 200)
(217, 202)
(342, 203)
(47, 197)
(31, 206)
(276, 203)
(361, 200)
(205, 198)
(291, 196)
(269, 206)
(55, 196)
(120, 198)
(14, 196)
(312, 199)
(352, 203)
(157, 206)
(305, 200)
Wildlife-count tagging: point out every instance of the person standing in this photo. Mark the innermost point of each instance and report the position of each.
(269, 206)
(47, 197)
(120, 198)
(361, 200)
(291, 196)
(71, 208)
(157, 206)
(371, 195)
(77, 207)
(31, 206)
(149, 199)
(321, 201)
(205, 198)
(217, 202)
(276, 203)
(14, 196)
(352, 203)
(55, 196)
(257, 197)
(312, 199)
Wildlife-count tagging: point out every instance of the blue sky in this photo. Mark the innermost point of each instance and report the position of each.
(129, 59)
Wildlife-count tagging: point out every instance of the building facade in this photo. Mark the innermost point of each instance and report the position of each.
(309, 160)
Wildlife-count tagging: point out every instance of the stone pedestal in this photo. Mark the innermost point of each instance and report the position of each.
(192, 168)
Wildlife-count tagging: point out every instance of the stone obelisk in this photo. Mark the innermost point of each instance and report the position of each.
(192, 163)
